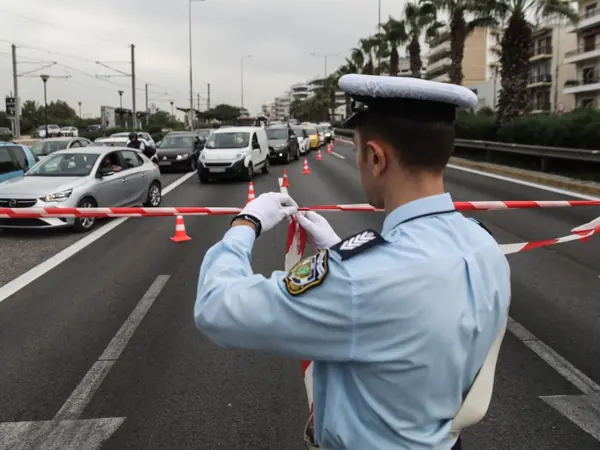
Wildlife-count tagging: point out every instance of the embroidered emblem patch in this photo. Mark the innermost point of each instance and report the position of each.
(358, 243)
(307, 273)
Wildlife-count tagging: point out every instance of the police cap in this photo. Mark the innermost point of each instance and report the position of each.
(404, 97)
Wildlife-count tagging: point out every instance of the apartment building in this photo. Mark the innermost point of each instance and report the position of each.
(548, 71)
(479, 61)
(585, 58)
(282, 106)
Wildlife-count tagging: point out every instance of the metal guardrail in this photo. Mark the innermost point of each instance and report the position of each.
(572, 154)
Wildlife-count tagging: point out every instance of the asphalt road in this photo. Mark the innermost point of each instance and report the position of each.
(28, 248)
(176, 390)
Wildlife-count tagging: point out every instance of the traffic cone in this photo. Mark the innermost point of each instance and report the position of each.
(305, 170)
(319, 156)
(286, 182)
(251, 195)
(180, 233)
(330, 148)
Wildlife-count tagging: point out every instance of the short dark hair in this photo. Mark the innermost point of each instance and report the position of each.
(420, 145)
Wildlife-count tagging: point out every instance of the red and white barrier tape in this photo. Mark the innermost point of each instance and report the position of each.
(40, 213)
(297, 240)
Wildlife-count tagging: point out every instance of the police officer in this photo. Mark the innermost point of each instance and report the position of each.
(134, 142)
(398, 323)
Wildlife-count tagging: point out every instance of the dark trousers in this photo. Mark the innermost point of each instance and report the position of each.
(458, 444)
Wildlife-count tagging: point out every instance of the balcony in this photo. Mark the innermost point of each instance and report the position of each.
(539, 80)
(442, 78)
(587, 20)
(438, 48)
(541, 52)
(583, 53)
(438, 65)
(589, 82)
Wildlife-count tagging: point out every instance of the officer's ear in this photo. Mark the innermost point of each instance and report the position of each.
(378, 154)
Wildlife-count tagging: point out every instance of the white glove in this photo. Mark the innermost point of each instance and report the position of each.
(319, 229)
(271, 208)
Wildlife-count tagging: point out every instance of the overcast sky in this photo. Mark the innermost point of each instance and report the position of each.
(280, 34)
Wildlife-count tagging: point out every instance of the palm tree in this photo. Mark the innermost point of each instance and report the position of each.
(460, 29)
(419, 20)
(395, 33)
(516, 46)
(367, 47)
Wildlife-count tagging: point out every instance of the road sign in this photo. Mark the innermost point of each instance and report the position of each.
(10, 107)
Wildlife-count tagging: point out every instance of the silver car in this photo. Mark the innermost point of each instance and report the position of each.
(82, 178)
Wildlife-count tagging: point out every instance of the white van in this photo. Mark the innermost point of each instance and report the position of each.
(236, 152)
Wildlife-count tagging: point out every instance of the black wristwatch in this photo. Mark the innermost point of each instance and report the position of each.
(253, 220)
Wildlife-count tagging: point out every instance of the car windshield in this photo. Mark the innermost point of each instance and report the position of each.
(64, 165)
(177, 142)
(298, 131)
(125, 135)
(277, 134)
(228, 140)
(311, 131)
(46, 147)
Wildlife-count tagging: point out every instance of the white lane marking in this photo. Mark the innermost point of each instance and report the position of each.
(65, 430)
(338, 155)
(33, 274)
(516, 181)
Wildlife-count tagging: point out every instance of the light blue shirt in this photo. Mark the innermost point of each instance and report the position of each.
(397, 332)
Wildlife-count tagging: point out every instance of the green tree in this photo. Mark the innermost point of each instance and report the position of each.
(223, 113)
(394, 32)
(419, 20)
(460, 28)
(516, 46)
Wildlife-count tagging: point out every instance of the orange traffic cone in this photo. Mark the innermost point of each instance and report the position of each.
(319, 156)
(286, 182)
(305, 170)
(180, 233)
(251, 195)
(330, 147)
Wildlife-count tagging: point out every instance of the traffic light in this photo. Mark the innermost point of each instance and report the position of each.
(10, 107)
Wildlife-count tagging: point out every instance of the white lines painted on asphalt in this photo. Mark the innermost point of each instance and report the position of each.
(582, 410)
(338, 155)
(33, 274)
(65, 430)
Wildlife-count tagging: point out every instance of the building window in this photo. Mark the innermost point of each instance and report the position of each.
(586, 103)
(590, 10)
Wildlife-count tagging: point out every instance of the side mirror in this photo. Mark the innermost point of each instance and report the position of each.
(106, 172)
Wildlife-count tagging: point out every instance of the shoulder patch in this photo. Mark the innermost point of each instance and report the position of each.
(358, 243)
(307, 273)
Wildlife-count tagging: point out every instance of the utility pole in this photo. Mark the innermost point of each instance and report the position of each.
(147, 108)
(133, 110)
(80, 116)
(379, 36)
(172, 113)
(16, 89)
(198, 102)
(242, 77)
(208, 96)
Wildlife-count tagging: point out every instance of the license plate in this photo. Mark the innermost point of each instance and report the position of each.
(217, 170)
(165, 163)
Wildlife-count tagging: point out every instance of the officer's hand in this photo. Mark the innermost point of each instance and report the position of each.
(271, 208)
(319, 229)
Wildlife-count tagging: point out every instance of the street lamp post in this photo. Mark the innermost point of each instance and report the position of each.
(242, 77)
(171, 102)
(80, 116)
(191, 117)
(379, 36)
(316, 55)
(45, 80)
(120, 99)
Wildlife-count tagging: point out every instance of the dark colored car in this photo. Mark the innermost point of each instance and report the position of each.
(179, 151)
(283, 144)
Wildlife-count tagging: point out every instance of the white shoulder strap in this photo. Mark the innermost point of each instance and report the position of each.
(477, 401)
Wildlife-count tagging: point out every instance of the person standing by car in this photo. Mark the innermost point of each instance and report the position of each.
(135, 142)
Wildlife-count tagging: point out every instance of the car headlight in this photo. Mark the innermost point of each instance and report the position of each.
(202, 155)
(239, 155)
(328, 134)
(58, 196)
(183, 156)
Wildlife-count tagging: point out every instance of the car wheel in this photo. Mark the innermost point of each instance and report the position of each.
(85, 224)
(203, 180)
(288, 157)
(154, 196)
(249, 173)
(266, 167)
(297, 154)
(193, 164)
